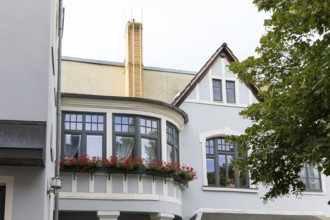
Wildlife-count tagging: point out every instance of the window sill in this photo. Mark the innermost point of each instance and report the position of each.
(315, 193)
(229, 189)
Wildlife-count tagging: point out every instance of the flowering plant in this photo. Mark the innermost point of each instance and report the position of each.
(83, 164)
(180, 173)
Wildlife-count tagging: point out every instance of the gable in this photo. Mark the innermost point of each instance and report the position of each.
(233, 91)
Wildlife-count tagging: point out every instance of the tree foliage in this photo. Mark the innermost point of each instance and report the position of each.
(291, 125)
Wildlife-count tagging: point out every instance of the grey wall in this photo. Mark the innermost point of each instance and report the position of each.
(29, 192)
(25, 43)
(28, 33)
(211, 117)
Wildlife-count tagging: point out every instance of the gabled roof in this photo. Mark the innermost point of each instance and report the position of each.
(222, 51)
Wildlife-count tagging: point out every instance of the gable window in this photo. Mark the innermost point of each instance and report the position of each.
(136, 136)
(220, 171)
(217, 90)
(83, 134)
(311, 177)
(230, 91)
(172, 143)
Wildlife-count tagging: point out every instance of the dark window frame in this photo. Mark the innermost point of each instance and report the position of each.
(213, 153)
(214, 87)
(174, 143)
(308, 179)
(83, 132)
(233, 89)
(137, 135)
(2, 202)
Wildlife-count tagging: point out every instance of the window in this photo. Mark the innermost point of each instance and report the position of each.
(220, 172)
(136, 136)
(217, 90)
(83, 133)
(2, 202)
(230, 91)
(172, 143)
(311, 177)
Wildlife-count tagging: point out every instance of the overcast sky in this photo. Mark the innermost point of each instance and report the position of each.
(177, 34)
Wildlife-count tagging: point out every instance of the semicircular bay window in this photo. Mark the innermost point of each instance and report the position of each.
(136, 136)
(220, 172)
(83, 134)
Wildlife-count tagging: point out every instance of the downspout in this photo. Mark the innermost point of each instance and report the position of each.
(58, 107)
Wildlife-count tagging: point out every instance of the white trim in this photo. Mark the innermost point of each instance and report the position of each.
(74, 183)
(140, 184)
(210, 134)
(91, 184)
(226, 189)
(163, 138)
(119, 196)
(165, 188)
(108, 141)
(197, 91)
(8, 181)
(125, 184)
(264, 212)
(108, 214)
(109, 184)
(216, 103)
(237, 84)
(210, 78)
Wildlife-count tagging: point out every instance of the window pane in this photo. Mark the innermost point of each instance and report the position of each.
(117, 120)
(170, 153)
(73, 117)
(88, 126)
(117, 128)
(67, 125)
(79, 118)
(79, 126)
(210, 171)
(124, 120)
(73, 126)
(100, 127)
(217, 90)
(148, 149)
(314, 184)
(72, 146)
(94, 118)
(124, 147)
(142, 122)
(100, 118)
(230, 89)
(94, 145)
(244, 178)
(88, 118)
(222, 170)
(67, 117)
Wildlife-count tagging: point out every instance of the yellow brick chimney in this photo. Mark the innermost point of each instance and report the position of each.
(133, 62)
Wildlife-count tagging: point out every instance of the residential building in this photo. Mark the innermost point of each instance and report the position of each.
(127, 109)
(28, 69)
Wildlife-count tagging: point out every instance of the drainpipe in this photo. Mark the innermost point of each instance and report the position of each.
(58, 107)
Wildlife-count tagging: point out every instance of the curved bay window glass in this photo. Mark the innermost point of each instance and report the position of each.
(136, 136)
(220, 172)
(83, 134)
(172, 143)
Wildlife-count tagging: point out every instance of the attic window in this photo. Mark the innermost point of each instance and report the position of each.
(217, 90)
(230, 91)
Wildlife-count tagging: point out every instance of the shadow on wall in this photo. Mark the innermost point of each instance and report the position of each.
(230, 216)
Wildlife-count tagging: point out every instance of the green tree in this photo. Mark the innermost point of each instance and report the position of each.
(291, 124)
